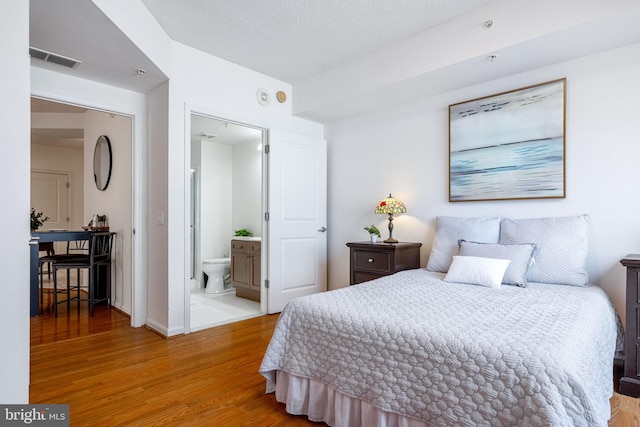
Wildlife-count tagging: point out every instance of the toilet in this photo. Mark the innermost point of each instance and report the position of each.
(218, 271)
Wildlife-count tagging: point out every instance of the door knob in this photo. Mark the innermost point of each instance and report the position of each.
(323, 229)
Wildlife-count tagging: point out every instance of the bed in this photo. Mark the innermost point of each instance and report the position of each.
(445, 345)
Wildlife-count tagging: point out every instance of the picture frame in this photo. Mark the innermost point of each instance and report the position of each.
(510, 145)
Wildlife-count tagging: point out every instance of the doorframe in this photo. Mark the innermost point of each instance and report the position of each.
(138, 313)
(241, 121)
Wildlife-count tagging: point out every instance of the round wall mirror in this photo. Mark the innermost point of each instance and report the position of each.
(102, 162)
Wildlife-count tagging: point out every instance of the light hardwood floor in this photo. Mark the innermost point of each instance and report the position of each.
(114, 375)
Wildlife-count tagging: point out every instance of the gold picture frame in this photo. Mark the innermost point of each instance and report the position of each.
(510, 145)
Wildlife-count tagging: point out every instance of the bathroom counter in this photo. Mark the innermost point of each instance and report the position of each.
(249, 239)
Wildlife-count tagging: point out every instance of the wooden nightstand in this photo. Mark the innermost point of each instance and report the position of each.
(372, 260)
(630, 381)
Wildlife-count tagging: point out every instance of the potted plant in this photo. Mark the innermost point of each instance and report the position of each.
(99, 221)
(243, 232)
(37, 220)
(374, 233)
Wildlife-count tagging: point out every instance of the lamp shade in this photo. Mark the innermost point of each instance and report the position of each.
(390, 205)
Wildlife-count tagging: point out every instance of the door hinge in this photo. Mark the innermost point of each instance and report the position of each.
(266, 216)
(266, 149)
(68, 185)
(266, 283)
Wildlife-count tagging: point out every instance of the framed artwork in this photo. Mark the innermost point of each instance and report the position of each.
(509, 146)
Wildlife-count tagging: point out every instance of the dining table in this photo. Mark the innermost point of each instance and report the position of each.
(38, 237)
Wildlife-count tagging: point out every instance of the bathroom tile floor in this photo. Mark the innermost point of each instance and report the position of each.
(208, 310)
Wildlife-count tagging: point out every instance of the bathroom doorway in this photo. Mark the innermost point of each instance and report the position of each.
(226, 206)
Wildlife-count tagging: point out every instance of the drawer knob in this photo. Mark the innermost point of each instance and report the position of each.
(370, 259)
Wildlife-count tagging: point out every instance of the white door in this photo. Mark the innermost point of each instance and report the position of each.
(50, 195)
(297, 206)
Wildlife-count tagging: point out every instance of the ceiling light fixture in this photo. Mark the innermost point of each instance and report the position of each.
(140, 71)
(488, 24)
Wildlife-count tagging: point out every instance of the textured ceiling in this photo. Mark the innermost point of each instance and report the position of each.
(342, 58)
(293, 40)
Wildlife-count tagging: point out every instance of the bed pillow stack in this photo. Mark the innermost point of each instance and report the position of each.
(520, 256)
(450, 230)
(561, 247)
(544, 250)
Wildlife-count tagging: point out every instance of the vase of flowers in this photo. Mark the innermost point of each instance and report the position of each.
(37, 219)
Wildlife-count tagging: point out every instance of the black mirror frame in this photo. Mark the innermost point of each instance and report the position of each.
(95, 151)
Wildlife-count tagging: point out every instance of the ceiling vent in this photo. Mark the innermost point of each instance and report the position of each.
(53, 58)
(207, 135)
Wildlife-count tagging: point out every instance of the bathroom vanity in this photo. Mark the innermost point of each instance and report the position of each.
(245, 267)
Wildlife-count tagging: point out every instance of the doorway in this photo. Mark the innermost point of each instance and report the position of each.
(63, 137)
(226, 204)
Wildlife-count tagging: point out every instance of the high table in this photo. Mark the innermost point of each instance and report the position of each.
(43, 237)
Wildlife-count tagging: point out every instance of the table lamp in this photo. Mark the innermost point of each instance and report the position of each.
(390, 206)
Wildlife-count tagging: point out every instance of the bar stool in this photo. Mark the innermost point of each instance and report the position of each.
(98, 263)
(75, 249)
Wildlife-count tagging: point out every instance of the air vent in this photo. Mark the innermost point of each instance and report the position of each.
(53, 57)
(207, 135)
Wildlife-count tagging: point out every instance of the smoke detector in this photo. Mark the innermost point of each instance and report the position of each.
(53, 57)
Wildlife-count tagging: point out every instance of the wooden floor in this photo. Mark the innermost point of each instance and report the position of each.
(114, 375)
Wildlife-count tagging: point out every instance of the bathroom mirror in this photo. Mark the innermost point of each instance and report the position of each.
(102, 162)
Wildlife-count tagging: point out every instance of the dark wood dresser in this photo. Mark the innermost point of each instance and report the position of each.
(372, 260)
(630, 381)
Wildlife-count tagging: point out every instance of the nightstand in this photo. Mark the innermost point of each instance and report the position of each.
(372, 260)
(630, 381)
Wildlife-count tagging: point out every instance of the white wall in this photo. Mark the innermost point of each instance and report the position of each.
(404, 150)
(247, 187)
(14, 172)
(215, 199)
(158, 187)
(116, 200)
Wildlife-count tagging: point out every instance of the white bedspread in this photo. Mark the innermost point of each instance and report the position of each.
(451, 354)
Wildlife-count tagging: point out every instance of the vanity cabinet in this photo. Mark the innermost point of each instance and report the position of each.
(245, 268)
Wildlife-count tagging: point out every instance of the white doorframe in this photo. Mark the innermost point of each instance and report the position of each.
(138, 194)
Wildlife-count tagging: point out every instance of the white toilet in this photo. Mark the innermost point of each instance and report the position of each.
(218, 271)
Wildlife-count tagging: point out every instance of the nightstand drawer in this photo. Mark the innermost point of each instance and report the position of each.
(373, 260)
(369, 260)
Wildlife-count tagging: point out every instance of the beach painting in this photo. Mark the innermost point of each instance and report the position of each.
(509, 146)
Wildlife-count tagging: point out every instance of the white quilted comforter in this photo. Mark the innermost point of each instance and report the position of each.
(455, 355)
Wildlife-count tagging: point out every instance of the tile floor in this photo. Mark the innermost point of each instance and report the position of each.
(208, 310)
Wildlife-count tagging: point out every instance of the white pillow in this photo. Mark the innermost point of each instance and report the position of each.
(477, 271)
(520, 255)
(449, 230)
(561, 247)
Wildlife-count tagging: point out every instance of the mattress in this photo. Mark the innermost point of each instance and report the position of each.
(440, 354)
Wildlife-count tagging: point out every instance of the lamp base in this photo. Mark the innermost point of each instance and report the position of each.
(391, 240)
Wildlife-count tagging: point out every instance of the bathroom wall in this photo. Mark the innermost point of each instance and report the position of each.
(215, 199)
(247, 186)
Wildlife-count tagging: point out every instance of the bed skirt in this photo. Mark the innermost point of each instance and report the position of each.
(319, 402)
